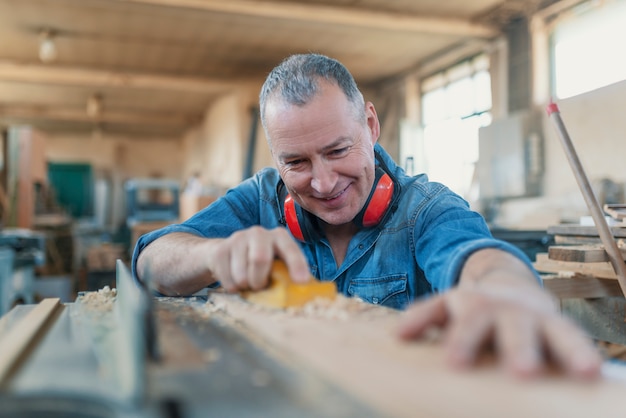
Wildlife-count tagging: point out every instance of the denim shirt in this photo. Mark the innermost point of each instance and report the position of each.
(419, 249)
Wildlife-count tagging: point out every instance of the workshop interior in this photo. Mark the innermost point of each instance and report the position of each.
(119, 117)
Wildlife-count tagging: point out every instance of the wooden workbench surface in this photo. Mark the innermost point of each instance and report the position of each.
(354, 346)
(237, 359)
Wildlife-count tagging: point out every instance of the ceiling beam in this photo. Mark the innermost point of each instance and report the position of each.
(318, 13)
(83, 77)
(47, 113)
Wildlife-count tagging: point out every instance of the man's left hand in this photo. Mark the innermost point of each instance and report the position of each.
(509, 314)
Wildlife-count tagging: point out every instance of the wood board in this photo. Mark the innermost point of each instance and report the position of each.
(583, 231)
(580, 253)
(362, 355)
(17, 343)
(581, 287)
(615, 210)
(544, 264)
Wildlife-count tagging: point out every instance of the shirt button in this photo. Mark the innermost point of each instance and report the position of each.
(360, 246)
(375, 300)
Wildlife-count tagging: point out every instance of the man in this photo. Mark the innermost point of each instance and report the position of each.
(360, 221)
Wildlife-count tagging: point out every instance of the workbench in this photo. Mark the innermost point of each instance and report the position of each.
(218, 355)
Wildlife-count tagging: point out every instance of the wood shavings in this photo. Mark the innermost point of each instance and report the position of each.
(102, 300)
(342, 308)
(216, 306)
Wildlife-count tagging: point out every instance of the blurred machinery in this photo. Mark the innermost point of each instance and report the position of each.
(150, 200)
(21, 250)
(151, 204)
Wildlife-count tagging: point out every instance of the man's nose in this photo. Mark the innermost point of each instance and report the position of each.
(323, 178)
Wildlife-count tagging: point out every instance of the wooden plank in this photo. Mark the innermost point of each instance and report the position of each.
(576, 240)
(331, 14)
(59, 113)
(104, 79)
(615, 210)
(580, 253)
(361, 354)
(584, 231)
(581, 287)
(603, 269)
(20, 340)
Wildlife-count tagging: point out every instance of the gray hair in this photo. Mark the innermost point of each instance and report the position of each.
(296, 79)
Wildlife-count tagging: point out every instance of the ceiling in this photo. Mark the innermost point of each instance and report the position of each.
(151, 67)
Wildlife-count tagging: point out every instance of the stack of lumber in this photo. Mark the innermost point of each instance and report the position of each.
(617, 212)
(578, 265)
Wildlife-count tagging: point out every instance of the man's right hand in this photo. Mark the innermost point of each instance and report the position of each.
(243, 260)
(182, 264)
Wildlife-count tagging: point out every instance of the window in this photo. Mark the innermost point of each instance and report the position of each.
(455, 104)
(586, 48)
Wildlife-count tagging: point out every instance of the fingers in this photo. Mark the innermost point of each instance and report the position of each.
(287, 250)
(421, 316)
(526, 339)
(519, 344)
(571, 349)
(466, 337)
(246, 257)
(258, 260)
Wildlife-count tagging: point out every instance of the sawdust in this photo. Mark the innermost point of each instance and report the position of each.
(102, 300)
(341, 308)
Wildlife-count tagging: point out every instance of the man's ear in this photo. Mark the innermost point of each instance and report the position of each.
(373, 123)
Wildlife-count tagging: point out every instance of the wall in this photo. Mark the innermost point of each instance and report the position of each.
(218, 148)
(26, 166)
(597, 128)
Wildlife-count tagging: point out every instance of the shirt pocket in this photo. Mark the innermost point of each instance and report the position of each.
(390, 291)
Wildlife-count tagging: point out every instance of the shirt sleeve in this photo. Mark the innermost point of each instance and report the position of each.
(448, 234)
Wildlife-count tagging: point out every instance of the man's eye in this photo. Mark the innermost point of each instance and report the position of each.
(294, 163)
(339, 152)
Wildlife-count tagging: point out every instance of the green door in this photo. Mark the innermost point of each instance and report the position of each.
(73, 187)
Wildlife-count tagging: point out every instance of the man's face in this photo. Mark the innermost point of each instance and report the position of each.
(324, 153)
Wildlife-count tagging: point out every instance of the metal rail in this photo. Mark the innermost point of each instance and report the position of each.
(132, 311)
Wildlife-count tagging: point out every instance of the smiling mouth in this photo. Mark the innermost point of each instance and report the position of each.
(333, 197)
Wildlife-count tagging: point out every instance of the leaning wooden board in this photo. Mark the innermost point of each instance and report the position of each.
(361, 354)
(15, 345)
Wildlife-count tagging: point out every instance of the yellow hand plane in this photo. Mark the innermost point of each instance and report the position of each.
(282, 292)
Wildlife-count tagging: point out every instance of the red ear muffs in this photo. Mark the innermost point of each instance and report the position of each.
(372, 214)
(378, 202)
(291, 218)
